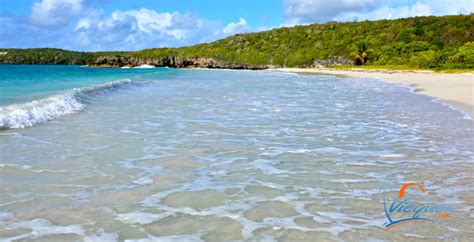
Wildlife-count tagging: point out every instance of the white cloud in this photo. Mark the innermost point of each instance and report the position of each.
(304, 11)
(443, 7)
(51, 13)
(386, 12)
(311, 11)
(235, 27)
(144, 28)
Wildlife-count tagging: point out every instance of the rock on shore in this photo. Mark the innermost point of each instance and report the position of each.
(171, 61)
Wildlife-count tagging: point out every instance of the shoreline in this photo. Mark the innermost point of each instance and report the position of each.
(455, 89)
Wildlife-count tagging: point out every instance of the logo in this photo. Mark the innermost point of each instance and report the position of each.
(413, 204)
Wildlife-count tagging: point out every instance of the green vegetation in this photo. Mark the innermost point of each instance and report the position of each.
(438, 43)
(360, 58)
(50, 56)
(45, 56)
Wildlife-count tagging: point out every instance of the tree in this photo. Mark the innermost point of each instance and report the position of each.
(361, 56)
(464, 55)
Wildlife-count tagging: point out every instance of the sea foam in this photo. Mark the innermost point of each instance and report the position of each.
(38, 111)
(144, 66)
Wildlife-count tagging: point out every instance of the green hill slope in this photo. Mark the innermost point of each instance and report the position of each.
(50, 56)
(427, 42)
(445, 42)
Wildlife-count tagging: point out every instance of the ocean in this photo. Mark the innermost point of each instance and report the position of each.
(101, 154)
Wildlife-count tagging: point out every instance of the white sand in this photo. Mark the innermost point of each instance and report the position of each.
(457, 89)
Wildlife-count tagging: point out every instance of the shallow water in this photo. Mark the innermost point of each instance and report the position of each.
(229, 155)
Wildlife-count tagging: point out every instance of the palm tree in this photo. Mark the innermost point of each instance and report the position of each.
(361, 56)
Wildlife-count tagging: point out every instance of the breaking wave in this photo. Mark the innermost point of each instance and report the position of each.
(38, 111)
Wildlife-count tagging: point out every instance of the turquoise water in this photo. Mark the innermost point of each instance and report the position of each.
(217, 155)
(19, 83)
(34, 94)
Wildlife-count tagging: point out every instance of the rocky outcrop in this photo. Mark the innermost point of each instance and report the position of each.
(332, 62)
(197, 62)
(171, 61)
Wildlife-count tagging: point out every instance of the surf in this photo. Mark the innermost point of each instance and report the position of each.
(23, 115)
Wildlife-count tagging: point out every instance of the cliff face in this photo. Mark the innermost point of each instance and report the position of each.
(171, 61)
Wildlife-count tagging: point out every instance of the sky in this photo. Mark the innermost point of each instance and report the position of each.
(104, 25)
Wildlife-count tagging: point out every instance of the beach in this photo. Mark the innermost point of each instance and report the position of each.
(455, 89)
(163, 154)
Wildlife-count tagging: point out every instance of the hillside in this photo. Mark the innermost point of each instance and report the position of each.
(445, 42)
(50, 56)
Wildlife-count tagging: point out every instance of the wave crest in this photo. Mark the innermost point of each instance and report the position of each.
(38, 111)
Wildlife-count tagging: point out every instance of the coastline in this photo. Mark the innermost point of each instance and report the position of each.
(455, 89)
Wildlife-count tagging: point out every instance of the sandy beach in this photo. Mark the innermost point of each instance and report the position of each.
(224, 155)
(456, 89)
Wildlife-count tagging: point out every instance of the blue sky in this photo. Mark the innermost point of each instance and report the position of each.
(95, 25)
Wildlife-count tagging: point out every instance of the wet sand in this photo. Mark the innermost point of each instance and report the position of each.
(456, 89)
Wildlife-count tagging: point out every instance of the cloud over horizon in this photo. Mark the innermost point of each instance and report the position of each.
(319, 11)
(135, 27)
(51, 13)
(144, 28)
